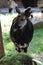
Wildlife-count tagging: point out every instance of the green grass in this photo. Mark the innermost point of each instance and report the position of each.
(36, 45)
(18, 59)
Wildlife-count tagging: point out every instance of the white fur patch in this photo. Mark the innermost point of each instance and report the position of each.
(22, 24)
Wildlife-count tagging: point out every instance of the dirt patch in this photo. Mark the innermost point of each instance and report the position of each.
(38, 56)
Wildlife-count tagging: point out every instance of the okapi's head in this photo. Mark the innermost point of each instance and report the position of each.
(27, 13)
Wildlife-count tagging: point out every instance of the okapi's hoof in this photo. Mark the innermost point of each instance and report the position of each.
(18, 50)
(25, 50)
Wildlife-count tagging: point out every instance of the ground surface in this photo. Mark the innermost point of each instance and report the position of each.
(18, 59)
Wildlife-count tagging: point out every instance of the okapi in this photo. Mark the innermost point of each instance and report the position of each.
(21, 31)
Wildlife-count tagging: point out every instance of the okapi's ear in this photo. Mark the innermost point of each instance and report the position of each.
(17, 10)
(28, 12)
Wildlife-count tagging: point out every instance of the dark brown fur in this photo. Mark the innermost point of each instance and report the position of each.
(21, 31)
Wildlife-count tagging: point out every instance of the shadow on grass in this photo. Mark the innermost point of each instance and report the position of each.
(18, 59)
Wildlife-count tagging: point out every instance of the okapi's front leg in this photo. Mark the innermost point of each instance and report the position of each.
(24, 47)
(17, 47)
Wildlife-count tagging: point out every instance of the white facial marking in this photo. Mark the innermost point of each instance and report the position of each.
(22, 22)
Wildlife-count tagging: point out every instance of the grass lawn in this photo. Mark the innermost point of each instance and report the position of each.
(36, 45)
